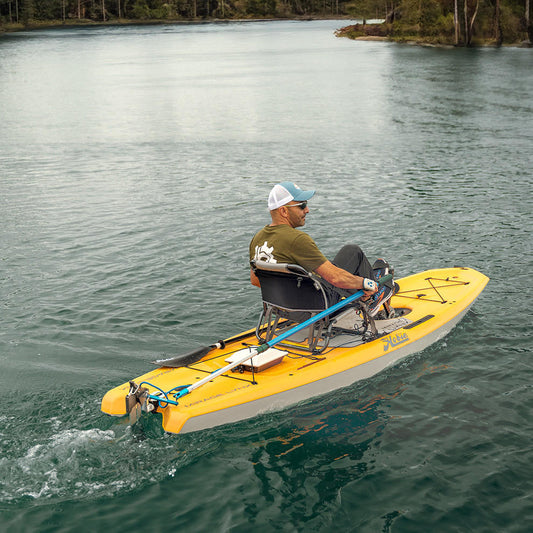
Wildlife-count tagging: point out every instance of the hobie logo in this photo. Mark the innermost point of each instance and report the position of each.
(394, 340)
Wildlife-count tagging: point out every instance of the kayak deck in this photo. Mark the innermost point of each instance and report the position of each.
(431, 303)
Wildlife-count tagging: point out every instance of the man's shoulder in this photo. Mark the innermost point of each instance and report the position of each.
(283, 233)
(280, 229)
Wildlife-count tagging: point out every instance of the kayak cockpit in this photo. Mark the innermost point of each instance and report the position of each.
(292, 295)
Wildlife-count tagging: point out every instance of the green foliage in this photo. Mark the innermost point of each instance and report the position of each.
(513, 29)
(433, 21)
(423, 20)
(421, 13)
(45, 10)
(27, 10)
(444, 24)
(263, 8)
(152, 10)
(140, 10)
(368, 9)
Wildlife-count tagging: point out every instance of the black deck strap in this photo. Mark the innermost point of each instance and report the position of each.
(422, 296)
(430, 280)
(418, 322)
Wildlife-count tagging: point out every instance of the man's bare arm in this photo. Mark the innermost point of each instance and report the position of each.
(339, 277)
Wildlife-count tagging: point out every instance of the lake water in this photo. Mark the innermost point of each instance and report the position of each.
(135, 163)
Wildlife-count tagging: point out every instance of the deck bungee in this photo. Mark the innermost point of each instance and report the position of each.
(236, 379)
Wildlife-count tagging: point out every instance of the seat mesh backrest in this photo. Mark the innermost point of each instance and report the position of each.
(293, 292)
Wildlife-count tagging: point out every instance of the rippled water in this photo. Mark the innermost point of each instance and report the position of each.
(135, 164)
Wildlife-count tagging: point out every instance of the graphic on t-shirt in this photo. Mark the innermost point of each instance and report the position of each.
(264, 253)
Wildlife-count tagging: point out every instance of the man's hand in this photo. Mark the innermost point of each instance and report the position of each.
(370, 286)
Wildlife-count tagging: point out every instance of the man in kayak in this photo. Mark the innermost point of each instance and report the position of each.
(281, 242)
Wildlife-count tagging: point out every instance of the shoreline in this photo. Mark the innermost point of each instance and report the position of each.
(385, 33)
(415, 42)
(86, 23)
(80, 23)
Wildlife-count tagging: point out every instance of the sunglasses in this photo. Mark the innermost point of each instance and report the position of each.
(301, 205)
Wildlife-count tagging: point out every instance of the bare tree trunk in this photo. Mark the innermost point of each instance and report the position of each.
(473, 19)
(103, 10)
(467, 35)
(529, 27)
(497, 24)
(456, 21)
(469, 23)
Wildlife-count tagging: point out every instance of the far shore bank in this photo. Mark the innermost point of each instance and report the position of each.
(74, 23)
(345, 32)
(392, 33)
(416, 42)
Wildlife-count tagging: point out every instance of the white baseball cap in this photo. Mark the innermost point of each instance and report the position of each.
(286, 191)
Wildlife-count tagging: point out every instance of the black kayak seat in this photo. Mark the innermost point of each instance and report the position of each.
(291, 293)
(290, 287)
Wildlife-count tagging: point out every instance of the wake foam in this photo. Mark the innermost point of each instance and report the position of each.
(47, 469)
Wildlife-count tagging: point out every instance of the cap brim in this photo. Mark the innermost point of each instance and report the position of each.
(303, 196)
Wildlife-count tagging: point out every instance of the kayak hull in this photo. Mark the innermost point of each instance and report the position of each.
(290, 397)
(435, 301)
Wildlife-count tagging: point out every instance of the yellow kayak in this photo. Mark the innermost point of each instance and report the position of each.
(429, 305)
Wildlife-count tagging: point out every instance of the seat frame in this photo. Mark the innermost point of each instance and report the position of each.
(291, 295)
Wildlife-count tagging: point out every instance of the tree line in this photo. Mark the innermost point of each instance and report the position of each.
(28, 11)
(459, 22)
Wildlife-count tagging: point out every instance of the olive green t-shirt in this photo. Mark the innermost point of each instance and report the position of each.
(284, 244)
